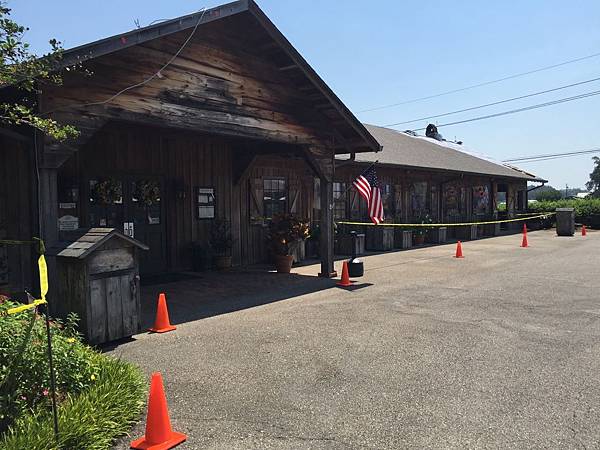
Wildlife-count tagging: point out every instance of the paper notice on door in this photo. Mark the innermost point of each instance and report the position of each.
(128, 229)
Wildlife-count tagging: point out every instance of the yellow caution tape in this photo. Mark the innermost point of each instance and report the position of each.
(43, 272)
(18, 309)
(434, 225)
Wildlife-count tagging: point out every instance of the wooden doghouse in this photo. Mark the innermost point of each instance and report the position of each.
(98, 279)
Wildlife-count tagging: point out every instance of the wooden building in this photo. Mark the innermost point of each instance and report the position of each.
(210, 115)
(426, 179)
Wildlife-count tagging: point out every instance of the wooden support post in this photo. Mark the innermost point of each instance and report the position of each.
(323, 167)
(49, 205)
(327, 230)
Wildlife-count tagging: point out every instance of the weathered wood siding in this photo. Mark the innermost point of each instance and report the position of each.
(400, 180)
(17, 214)
(221, 83)
(182, 161)
(299, 182)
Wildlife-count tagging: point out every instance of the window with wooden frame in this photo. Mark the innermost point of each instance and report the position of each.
(387, 199)
(339, 200)
(398, 202)
(274, 197)
(205, 203)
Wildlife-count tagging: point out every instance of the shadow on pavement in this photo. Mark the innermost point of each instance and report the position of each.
(215, 293)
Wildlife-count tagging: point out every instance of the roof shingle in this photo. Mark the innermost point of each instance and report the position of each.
(405, 150)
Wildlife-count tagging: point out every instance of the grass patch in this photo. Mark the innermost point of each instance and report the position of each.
(99, 397)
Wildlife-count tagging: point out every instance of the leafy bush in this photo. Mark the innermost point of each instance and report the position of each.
(84, 384)
(584, 207)
(88, 421)
(25, 377)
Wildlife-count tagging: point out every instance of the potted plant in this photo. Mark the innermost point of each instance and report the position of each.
(419, 233)
(286, 232)
(221, 242)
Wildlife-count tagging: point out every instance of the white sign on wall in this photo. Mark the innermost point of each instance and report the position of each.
(68, 223)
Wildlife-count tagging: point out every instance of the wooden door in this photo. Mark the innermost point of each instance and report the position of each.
(144, 209)
(114, 307)
(135, 206)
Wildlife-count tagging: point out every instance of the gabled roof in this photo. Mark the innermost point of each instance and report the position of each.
(405, 150)
(357, 137)
(82, 243)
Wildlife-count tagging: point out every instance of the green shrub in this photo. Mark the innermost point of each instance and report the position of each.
(584, 207)
(88, 421)
(87, 382)
(25, 378)
(549, 196)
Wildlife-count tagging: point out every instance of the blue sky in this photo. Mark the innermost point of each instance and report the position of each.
(384, 51)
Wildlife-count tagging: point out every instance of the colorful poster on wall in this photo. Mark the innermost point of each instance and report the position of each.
(418, 198)
(481, 199)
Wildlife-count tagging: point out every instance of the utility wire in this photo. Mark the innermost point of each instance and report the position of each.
(513, 111)
(495, 103)
(486, 83)
(551, 156)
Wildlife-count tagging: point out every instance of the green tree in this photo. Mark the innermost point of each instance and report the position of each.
(594, 184)
(549, 195)
(27, 74)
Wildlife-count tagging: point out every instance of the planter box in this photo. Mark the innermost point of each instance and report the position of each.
(438, 235)
(299, 252)
(344, 244)
(400, 236)
(403, 239)
(313, 248)
(466, 233)
(496, 228)
(380, 239)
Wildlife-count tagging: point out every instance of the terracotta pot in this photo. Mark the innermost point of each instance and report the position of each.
(222, 262)
(419, 239)
(283, 263)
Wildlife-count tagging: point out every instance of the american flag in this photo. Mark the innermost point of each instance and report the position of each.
(368, 187)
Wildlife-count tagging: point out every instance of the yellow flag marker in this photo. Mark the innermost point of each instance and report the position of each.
(43, 268)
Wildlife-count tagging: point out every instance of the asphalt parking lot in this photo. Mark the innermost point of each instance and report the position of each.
(498, 350)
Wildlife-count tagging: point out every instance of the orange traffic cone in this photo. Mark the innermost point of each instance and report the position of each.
(583, 230)
(524, 243)
(159, 435)
(161, 323)
(459, 253)
(345, 281)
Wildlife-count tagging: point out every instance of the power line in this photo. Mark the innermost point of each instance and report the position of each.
(513, 111)
(551, 156)
(495, 103)
(486, 83)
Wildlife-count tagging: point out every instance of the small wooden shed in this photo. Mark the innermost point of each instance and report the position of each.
(98, 278)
